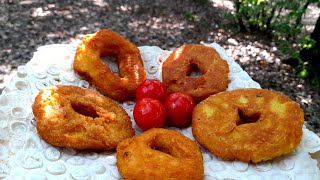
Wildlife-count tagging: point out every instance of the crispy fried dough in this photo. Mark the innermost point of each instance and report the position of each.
(177, 67)
(248, 124)
(69, 116)
(159, 154)
(89, 65)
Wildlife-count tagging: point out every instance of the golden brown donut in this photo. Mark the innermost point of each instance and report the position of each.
(177, 67)
(248, 124)
(160, 154)
(69, 116)
(89, 65)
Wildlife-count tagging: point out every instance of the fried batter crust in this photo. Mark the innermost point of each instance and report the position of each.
(159, 154)
(70, 116)
(177, 67)
(248, 124)
(89, 65)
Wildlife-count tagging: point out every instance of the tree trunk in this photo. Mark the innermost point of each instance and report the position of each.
(315, 35)
(240, 22)
(312, 55)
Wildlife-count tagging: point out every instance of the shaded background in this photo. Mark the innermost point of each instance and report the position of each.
(26, 25)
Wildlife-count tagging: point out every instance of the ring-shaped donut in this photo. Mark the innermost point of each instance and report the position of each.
(248, 124)
(70, 116)
(160, 154)
(89, 65)
(177, 67)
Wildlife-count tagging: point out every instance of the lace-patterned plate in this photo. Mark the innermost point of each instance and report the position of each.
(23, 155)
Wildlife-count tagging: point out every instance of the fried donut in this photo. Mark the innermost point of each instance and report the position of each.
(70, 116)
(89, 65)
(159, 154)
(248, 124)
(177, 67)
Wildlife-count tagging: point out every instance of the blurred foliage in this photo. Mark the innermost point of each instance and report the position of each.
(281, 20)
(189, 16)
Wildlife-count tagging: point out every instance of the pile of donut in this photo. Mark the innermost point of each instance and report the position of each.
(251, 125)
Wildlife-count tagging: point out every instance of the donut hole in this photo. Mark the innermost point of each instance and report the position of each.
(194, 70)
(108, 59)
(112, 63)
(161, 148)
(84, 110)
(246, 118)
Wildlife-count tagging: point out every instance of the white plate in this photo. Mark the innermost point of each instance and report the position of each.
(23, 155)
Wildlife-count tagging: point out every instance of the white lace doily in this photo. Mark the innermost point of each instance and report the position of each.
(23, 155)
